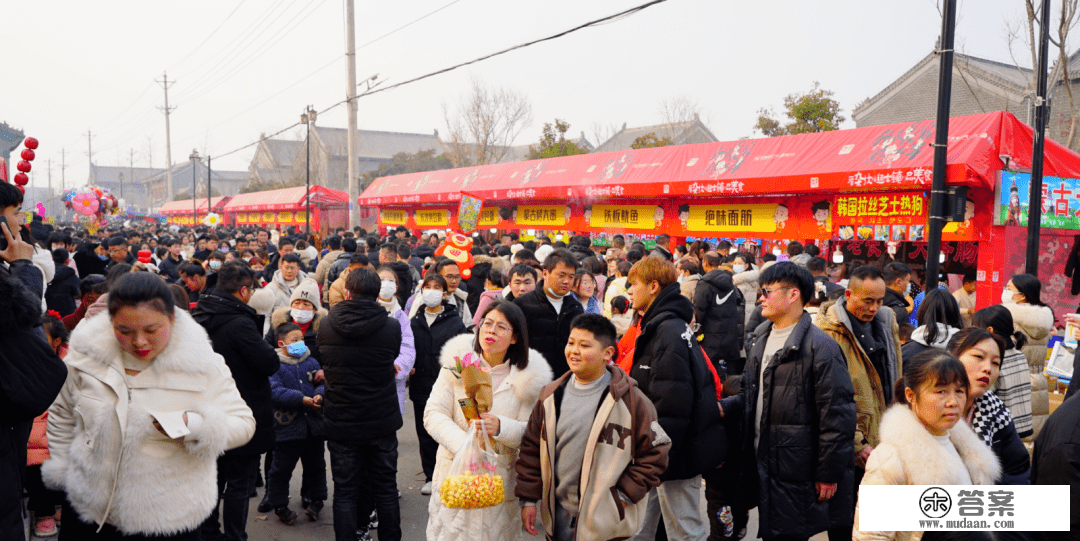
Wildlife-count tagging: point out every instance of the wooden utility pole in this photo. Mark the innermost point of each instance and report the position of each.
(350, 63)
(168, 142)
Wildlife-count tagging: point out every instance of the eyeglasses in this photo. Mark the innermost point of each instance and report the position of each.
(501, 329)
(766, 292)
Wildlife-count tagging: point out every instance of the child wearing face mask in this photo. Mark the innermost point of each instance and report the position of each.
(305, 309)
(298, 425)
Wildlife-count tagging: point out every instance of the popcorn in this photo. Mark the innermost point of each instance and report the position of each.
(472, 491)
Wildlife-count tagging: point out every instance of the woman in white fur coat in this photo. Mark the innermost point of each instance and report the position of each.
(923, 441)
(141, 362)
(1031, 316)
(518, 374)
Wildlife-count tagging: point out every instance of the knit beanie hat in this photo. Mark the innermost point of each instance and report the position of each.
(307, 290)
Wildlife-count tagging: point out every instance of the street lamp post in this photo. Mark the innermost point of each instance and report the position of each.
(194, 177)
(121, 177)
(308, 118)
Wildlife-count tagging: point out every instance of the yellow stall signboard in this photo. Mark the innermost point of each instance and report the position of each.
(432, 217)
(285, 217)
(542, 215)
(301, 217)
(623, 216)
(242, 218)
(268, 217)
(768, 218)
(489, 216)
(394, 216)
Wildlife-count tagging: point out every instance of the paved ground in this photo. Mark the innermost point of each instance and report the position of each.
(266, 526)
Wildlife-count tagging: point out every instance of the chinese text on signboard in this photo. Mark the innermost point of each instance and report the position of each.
(623, 216)
(391, 216)
(436, 217)
(881, 209)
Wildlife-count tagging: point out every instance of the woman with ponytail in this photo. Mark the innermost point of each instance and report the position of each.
(1013, 386)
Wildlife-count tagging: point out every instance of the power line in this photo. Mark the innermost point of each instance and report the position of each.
(197, 47)
(620, 15)
(246, 62)
(407, 25)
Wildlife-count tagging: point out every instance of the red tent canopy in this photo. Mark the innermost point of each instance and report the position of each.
(286, 199)
(877, 158)
(184, 207)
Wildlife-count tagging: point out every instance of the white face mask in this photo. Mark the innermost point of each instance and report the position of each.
(302, 316)
(215, 264)
(681, 279)
(388, 289)
(431, 297)
(738, 268)
(907, 292)
(1007, 297)
(552, 293)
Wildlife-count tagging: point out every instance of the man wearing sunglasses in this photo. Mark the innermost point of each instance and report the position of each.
(796, 411)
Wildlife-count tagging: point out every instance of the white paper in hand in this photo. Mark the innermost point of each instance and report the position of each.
(172, 422)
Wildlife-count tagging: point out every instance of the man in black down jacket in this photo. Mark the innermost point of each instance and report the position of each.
(671, 370)
(549, 309)
(719, 308)
(359, 342)
(1056, 460)
(231, 324)
(797, 407)
(31, 375)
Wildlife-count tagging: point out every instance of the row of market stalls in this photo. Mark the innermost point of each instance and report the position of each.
(273, 208)
(863, 193)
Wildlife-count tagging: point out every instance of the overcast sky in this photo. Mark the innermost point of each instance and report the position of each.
(249, 67)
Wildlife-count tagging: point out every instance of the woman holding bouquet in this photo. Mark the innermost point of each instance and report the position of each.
(500, 346)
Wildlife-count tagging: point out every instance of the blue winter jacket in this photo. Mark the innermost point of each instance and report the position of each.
(288, 387)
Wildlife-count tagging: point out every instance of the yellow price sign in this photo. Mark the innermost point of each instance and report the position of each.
(431, 217)
(767, 218)
(394, 216)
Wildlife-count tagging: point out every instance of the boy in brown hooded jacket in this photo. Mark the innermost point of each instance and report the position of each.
(593, 447)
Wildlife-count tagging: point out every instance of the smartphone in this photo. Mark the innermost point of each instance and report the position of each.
(3, 238)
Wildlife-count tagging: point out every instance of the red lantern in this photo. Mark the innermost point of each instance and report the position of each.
(31, 143)
(21, 179)
(28, 155)
(21, 189)
(24, 166)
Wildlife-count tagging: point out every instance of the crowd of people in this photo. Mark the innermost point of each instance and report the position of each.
(154, 377)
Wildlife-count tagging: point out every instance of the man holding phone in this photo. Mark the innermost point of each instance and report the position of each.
(14, 251)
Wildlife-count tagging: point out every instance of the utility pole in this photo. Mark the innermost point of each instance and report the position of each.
(350, 63)
(168, 142)
(90, 151)
(131, 170)
(49, 199)
(63, 167)
(1031, 265)
(941, 141)
(209, 207)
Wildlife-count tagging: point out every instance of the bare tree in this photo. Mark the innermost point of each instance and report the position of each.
(1028, 29)
(485, 123)
(674, 110)
(602, 132)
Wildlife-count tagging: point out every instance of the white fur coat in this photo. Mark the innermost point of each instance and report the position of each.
(107, 455)
(909, 455)
(1036, 322)
(512, 402)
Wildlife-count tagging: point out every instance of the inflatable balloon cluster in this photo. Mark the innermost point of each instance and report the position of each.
(92, 202)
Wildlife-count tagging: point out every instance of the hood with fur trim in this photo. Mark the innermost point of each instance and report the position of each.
(188, 350)
(1035, 321)
(923, 462)
(527, 384)
(282, 315)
